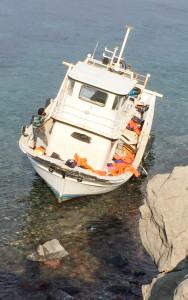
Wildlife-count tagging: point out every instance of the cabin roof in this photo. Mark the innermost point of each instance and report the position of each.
(102, 79)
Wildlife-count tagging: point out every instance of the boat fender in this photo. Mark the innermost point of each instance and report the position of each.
(51, 169)
(79, 178)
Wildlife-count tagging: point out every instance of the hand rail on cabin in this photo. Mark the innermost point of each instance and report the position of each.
(142, 79)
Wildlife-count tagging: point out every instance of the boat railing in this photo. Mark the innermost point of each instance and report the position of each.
(141, 79)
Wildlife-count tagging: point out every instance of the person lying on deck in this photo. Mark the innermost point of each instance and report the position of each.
(38, 125)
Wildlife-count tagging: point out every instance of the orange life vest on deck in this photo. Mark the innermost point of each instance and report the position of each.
(135, 126)
(39, 150)
(122, 168)
(128, 158)
(82, 162)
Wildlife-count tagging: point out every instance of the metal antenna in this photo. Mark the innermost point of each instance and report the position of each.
(95, 49)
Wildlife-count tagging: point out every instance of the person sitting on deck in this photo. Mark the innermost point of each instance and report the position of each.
(38, 125)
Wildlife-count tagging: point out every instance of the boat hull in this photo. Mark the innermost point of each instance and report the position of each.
(67, 187)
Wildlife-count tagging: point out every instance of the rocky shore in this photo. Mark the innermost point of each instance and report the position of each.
(164, 232)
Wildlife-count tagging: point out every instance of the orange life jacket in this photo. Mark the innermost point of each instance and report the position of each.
(122, 168)
(128, 158)
(135, 126)
(82, 162)
(39, 150)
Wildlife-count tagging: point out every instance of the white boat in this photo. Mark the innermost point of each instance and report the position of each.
(98, 127)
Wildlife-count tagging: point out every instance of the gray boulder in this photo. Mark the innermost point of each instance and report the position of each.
(164, 232)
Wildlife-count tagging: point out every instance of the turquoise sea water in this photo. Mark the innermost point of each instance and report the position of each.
(35, 37)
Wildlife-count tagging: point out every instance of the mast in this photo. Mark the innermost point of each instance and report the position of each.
(123, 46)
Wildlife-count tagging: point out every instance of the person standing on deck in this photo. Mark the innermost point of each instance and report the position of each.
(38, 125)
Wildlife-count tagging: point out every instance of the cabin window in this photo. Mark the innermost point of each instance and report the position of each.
(119, 101)
(81, 137)
(93, 95)
(70, 87)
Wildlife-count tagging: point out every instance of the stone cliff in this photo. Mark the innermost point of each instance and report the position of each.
(164, 233)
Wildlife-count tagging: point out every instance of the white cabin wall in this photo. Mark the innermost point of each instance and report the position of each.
(61, 142)
(89, 116)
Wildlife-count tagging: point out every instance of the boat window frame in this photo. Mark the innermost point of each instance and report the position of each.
(90, 101)
(120, 102)
(70, 86)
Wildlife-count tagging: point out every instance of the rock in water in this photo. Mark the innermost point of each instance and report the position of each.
(164, 234)
(38, 285)
(118, 260)
(124, 288)
(50, 250)
(59, 295)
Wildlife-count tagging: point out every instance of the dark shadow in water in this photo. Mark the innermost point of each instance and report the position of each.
(15, 287)
(120, 254)
(29, 286)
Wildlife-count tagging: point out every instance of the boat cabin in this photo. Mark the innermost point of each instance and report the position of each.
(90, 114)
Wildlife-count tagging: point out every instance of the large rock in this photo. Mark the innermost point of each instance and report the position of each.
(167, 286)
(164, 233)
(181, 293)
(164, 219)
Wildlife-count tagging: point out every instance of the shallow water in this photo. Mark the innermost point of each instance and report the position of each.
(35, 38)
(94, 230)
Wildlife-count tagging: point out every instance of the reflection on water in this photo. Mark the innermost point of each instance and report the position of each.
(95, 230)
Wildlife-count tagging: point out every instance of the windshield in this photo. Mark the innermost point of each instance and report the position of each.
(93, 95)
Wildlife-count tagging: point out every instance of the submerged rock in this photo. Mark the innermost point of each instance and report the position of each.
(38, 285)
(118, 260)
(59, 295)
(51, 250)
(164, 234)
(124, 288)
